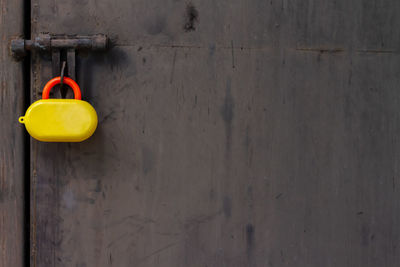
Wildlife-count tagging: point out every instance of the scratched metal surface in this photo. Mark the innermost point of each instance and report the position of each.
(12, 161)
(231, 133)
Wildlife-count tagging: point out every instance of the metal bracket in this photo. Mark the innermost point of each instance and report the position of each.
(62, 48)
(57, 58)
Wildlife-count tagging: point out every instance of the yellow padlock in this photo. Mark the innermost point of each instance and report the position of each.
(60, 120)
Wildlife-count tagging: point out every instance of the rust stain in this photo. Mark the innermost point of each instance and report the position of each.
(320, 49)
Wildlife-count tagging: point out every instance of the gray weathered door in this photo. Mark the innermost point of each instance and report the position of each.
(12, 142)
(231, 133)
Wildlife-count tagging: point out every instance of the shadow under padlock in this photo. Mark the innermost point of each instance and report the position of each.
(60, 120)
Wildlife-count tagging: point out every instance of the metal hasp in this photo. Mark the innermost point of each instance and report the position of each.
(62, 49)
(48, 42)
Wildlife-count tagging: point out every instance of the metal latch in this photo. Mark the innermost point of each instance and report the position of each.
(49, 42)
(62, 48)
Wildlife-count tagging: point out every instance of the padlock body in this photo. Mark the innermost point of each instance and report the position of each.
(60, 120)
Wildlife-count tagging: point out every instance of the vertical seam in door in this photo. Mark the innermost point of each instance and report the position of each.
(27, 150)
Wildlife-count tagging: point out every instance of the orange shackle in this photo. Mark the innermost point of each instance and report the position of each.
(57, 80)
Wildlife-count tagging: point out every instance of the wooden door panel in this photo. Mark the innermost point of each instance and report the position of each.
(267, 136)
(13, 158)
